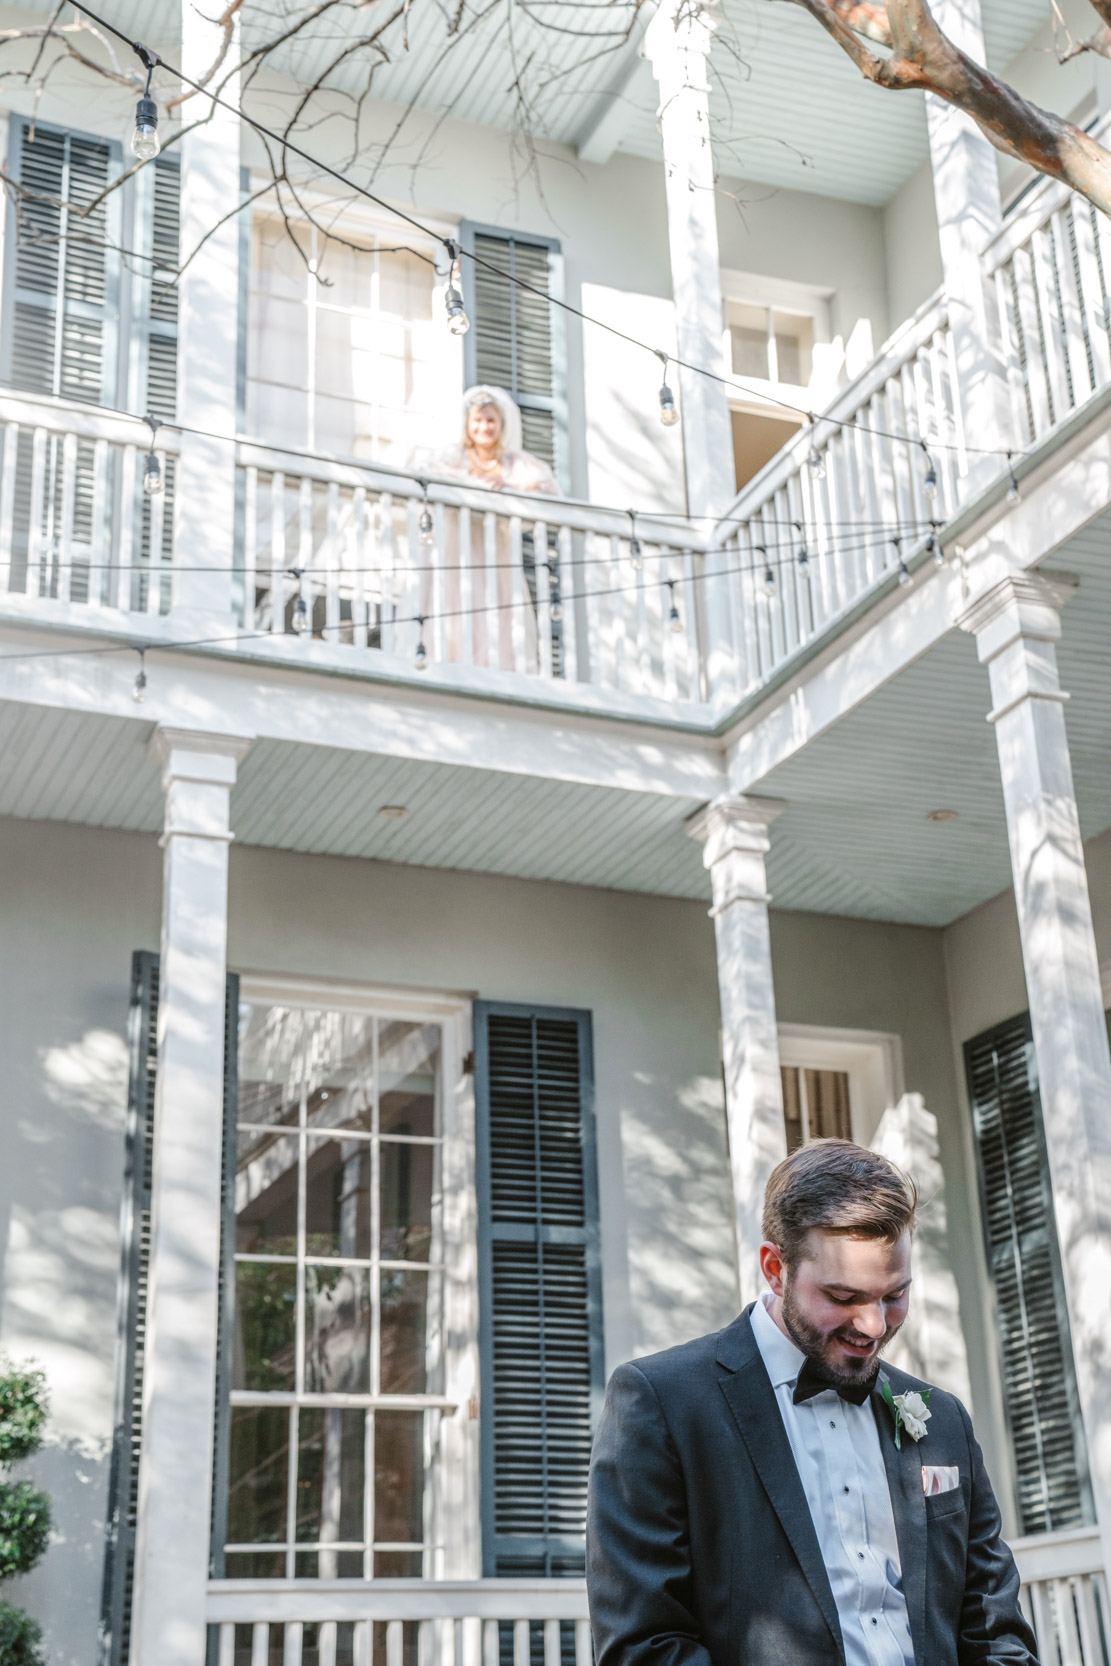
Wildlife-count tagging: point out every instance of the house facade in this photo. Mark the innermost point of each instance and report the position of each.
(430, 913)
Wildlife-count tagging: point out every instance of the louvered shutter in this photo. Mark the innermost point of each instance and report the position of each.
(1039, 1384)
(157, 330)
(515, 339)
(123, 1483)
(540, 1288)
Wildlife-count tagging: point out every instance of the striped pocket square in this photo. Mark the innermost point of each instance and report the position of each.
(940, 1478)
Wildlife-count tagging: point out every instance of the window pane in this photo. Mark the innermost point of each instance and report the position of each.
(340, 1085)
(257, 1564)
(408, 1065)
(271, 1045)
(398, 1564)
(258, 1478)
(406, 1201)
(792, 1107)
(330, 1475)
(337, 1198)
(794, 340)
(398, 1477)
(265, 1325)
(403, 1361)
(337, 1330)
(266, 1195)
(827, 1102)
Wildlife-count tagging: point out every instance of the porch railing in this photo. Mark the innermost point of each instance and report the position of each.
(367, 557)
(1050, 266)
(847, 500)
(75, 522)
(1064, 1592)
(399, 1622)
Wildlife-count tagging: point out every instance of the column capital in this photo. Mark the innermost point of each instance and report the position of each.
(1021, 604)
(726, 825)
(198, 755)
(677, 44)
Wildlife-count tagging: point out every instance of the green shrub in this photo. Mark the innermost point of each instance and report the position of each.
(23, 1410)
(19, 1638)
(24, 1527)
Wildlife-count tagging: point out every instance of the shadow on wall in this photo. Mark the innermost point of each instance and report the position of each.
(931, 1343)
(682, 1259)
(59, 1230)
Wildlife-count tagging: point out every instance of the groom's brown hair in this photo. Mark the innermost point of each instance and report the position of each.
(836, 1186)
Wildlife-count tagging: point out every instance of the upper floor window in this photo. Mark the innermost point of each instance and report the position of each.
(770, 343)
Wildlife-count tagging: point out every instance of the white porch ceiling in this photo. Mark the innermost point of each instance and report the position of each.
(788, 108)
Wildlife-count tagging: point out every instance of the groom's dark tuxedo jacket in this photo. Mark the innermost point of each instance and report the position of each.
(700, 1544)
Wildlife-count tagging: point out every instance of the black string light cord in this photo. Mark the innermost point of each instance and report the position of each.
(151, 59)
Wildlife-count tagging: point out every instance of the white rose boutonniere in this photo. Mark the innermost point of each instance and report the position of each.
(910, 1411)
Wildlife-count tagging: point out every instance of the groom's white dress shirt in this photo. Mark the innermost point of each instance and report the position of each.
(836, 1448)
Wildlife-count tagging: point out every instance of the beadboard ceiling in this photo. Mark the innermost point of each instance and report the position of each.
(788, 108)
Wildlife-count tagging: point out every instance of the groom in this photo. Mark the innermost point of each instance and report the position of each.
(773, 1495)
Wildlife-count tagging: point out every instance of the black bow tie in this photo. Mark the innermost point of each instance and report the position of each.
(813, 1380)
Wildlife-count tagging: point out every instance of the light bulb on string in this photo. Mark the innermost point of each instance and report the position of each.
(300, 619)
(139, 691)
(929, 485)
(420, 658)
(457, 321)
(143, 139)
(803, 556)
(769, 572)
(636, 554)
(816, 461)
(675, 623)
(1013, 493)
(669, 416)
(555, 606)
(904, 570)
(426, 526)
(934, 546)
(152, 469)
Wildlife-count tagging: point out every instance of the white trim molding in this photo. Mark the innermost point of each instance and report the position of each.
(872, 1060)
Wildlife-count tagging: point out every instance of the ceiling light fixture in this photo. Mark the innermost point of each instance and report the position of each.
(942, 815)
(393, 812)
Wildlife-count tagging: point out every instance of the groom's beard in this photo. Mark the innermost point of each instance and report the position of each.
(819, 1345)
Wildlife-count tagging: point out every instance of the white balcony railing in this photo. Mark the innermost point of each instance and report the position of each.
(536, 586)
(1064, 1592)
(1051, 269)
(846, 501)
(399, 1622)
(75, 523)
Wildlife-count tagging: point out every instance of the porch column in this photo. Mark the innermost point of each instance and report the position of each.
(1016, 624)
(734, 836)
(966, 193)
(179, 1374)
(208, 334)
(677, 44)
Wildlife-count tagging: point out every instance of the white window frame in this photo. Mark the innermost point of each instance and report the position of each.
(781, 295)
(871, 1059)
(453, 1522)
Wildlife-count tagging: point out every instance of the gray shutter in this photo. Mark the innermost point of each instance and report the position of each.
(123, 1484)
(515, 339)
(540, 1287)
(157, 329)
(1039, 1384)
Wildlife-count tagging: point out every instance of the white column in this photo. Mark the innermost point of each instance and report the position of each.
(966, 193)
(179, 1372)
(734, 836)
(208, 339)
(1016, 625)
(677, 44)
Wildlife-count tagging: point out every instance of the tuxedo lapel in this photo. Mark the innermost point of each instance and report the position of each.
(908, 1506)
(751, 1399)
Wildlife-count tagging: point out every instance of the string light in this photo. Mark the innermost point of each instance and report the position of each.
(673, 619)
(426, 526)
(300, 619)
(929, 485)
(555, 608)
(904, 570)
(769, 571)
(669, 416)
(803, 557)
(934, 546)
(457, 321)
(144, 136)
(139, 692)
(152, 469)
(420, 658)
(1013, 493)
(636, 554)
(816, 461)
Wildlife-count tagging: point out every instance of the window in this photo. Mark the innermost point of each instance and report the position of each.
(337, 1381)
(837, 1084)
(541, 1315)
(770, 344)
(815, 1105)
(1039, 1385)
(347, 354)
(515, 340)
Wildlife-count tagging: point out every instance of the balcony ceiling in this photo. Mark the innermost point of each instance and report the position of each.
(789, 110)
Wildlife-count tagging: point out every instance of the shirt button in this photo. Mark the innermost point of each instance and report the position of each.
(875, 1622)
(832, 1424)
(860, 1553)
(844, 1489)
